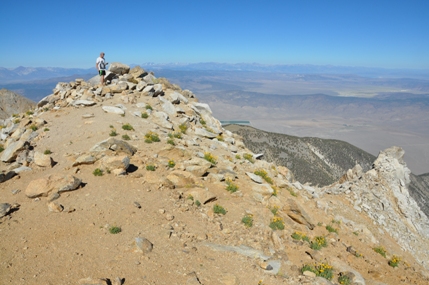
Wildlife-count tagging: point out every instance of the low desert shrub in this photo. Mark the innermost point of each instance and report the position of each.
(210, 158)
(47, 151)
(300, 236)
(320, 269)
(318, 242)
(247, 220)
(98, 172)
(264, 175)
(231, 186)
(126, 137)
(380, 250)
(331, 229)
(113, 133)
(145, 115)
(217, 209)
(277, 223)
(115, 230)
(151, 137)
(150, 167)
(183, 128)
(394, 261)
(248, 157)
(148, 107)
(171, 163)
(127, 127)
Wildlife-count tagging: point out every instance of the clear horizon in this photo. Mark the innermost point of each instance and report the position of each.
(381, 34)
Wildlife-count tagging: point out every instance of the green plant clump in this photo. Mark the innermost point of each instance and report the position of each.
(247, 220)
(274, 210)
(320, 269)
(300, 236)
(197, 203)
(231, 187)
(248, 157)
(331, 229)
(277, 223)
(113, 133)
(171, 141)
(264, 175)
(1, 148)
(183, 128)
(148, 107)
(115, 230)
(171, 163)
(126, 137)
(318, 242)
(217, 209)
(150, 167)
(380, 250)
(33, 127)
(210, 158)
(394, 261)
(127, 127)
(47, 152)
(151, 137)
(29, 113)
(98, 172)
(46, 130)
(145, 115)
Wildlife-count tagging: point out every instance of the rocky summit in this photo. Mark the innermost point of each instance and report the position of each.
(136, 182)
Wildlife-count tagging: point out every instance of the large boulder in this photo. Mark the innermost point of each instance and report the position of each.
(119, 68)
(54, 183)
(12, 151)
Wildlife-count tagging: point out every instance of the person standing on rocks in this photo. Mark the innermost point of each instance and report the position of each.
(100, 64)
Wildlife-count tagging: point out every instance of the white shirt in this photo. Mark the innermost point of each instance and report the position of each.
(101, 62)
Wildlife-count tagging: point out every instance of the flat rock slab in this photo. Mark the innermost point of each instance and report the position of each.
(83, 102)
(113, 110)
(205, 133)
(114, 145)
(52, 183)
(255, 178)
(11, 152)
(242, 249)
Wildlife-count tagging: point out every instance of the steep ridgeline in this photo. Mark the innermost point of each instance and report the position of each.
(383, 194)
(12, 103)
(137, 183)
(314, 160)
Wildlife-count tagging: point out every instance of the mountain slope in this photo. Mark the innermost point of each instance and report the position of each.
(314, 160)
(12, 103)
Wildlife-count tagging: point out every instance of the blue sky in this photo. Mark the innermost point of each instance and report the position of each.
(389, 34)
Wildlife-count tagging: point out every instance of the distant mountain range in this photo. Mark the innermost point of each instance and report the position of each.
(21, 73)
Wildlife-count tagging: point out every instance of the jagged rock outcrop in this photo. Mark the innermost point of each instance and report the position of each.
(382, 193)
